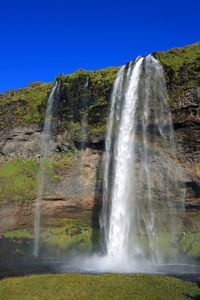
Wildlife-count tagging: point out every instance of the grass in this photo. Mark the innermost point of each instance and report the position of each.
(82, 235)
(85, 238)
(164, 243)
(24, 106)
(63, 237)
(76, 236)
(19, 178)
(181, 56)
(190, 244)
(104, 286)
(54, 241)
(108, 74)
(18, 234)
(182, 69)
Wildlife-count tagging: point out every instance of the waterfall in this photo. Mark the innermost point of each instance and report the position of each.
(142, 183)
(46, 151)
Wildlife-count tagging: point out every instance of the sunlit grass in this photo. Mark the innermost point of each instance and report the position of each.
(104, 286)
(18, 234)
(19, 178)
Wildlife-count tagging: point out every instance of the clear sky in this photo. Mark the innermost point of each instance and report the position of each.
(40, 39)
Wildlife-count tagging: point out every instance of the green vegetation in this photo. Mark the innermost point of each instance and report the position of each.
(18, 234)
(178, 57)
(57, 238)
(19, 178)
(103, 75)
(104, 286)
(27, 106)
(164, 243)
(190, 244)
(182, 68)
(61, 235)
(95, 103)
(24, 106)
(67, 237)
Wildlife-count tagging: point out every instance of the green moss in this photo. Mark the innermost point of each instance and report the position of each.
(97, 131)
(63, 161)
(24, 106)
(103, 75)
(18, 180)
(75, 101)
(68, 236)
(163, 243)
(56, 178)
(18, 234)
(190, 244)
(103, 286)
(182, 66)
(178, 57)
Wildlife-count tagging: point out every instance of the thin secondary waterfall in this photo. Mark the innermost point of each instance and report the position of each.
(142, 189)
(46, 151)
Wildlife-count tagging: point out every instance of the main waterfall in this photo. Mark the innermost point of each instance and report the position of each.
(142, 182)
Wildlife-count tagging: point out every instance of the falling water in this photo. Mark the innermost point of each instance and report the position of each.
(142, 191)
(46, 151)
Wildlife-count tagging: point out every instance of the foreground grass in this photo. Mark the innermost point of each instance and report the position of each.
(104, 286)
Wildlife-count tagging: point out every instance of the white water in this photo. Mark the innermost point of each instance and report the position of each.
(46, 151)
(142, 191)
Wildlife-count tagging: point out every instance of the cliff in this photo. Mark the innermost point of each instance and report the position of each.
(74, 191)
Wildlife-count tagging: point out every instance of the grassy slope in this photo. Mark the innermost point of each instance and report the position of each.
(104, 286)
(24, 106)
(177, 57)
(182, 68)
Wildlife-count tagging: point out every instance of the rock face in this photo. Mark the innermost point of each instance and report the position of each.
(186, 116)
(74, 190)
(73, 193)
(25, 141)
(182, 70)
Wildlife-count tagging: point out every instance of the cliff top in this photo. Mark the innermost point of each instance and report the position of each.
(27, 105)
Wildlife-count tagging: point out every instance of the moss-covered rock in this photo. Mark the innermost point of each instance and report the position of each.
(24, 106)
(182, 68)
(19, 177)
(93, 101)
(18, 180)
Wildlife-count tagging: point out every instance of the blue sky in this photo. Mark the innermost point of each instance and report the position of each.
(40, 39)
